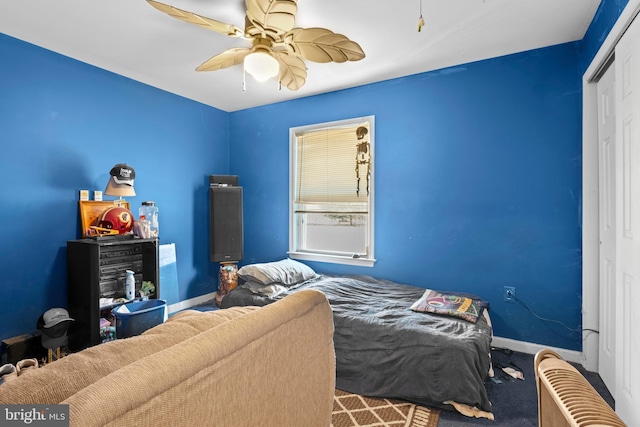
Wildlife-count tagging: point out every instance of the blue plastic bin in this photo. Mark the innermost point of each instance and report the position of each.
(133, 318)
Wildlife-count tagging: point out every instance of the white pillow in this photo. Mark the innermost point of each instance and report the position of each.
(270, 291)
(286, 272)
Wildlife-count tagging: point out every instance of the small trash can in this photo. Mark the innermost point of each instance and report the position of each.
(133, 318)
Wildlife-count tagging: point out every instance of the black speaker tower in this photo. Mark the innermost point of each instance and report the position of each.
(226, 226)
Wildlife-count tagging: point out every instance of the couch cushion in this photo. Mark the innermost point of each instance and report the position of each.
(52, 383)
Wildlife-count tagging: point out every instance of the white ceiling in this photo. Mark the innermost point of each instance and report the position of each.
(131, 38)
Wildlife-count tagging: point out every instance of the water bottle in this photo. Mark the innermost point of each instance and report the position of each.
(130, 283)
(149, 211)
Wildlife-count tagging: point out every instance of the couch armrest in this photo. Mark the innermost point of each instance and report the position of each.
(565, 397)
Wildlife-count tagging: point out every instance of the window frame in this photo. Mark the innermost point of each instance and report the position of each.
(293, 252)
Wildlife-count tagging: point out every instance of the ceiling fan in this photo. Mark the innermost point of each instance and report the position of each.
(278, 49)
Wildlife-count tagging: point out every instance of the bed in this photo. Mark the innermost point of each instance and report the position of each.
(384, 348)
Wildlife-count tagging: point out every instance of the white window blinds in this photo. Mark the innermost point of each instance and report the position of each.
(326, 167)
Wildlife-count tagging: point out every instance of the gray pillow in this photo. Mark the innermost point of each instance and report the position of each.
(286, 272)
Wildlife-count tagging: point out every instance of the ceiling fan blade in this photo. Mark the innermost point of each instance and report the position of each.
(293, 72)
(323, 45)
(228, 58)
(275, 17)
(192, 18)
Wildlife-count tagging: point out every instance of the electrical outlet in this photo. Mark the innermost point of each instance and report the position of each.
(509, 294)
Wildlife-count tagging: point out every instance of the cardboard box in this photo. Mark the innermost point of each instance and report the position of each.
(17, 348)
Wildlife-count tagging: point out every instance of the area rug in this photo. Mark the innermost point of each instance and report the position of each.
(353, 410)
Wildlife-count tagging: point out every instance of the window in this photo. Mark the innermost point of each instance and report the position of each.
(331, 192)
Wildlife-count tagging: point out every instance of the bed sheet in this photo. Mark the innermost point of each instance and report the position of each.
(383, 349)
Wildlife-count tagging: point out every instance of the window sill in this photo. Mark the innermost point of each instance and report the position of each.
(335, 259)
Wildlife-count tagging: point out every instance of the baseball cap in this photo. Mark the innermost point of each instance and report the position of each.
(122, 173)
(54, 322)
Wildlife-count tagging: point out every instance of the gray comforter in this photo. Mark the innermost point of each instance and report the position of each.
(383, 349)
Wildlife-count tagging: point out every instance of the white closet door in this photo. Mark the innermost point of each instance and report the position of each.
(627, 379)
(607, 218)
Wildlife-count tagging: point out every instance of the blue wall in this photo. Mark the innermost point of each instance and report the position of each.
(601, 25)
(63, 125)
(477, 182)
(478, 176)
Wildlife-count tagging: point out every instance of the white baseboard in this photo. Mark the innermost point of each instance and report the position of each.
(183, 305)
(532, 348)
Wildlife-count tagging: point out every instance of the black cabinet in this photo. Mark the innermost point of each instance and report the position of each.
(96, 270)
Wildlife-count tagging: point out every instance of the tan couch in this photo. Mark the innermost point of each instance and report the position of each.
(243, 366)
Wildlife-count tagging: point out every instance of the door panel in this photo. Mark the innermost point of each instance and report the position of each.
(627, 339)
(607, 225)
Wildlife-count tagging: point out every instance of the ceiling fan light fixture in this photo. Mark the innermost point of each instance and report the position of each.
(261, 65)
(278, 48)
